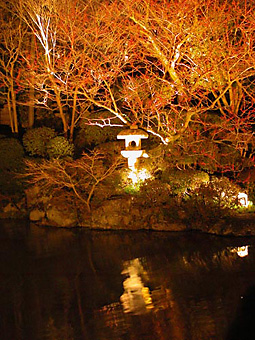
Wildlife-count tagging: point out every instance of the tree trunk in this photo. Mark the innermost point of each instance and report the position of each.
(73, 114)
(14, 113)
(31, 110)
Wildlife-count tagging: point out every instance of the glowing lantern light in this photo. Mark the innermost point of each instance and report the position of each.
(137, 176)
(241, 251)
(243, 199)
(132, 139)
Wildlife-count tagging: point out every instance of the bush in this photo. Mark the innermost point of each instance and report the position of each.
(221, 191)
(153, 192)
(211, 200)
(11, 154)
(11, 162)
(59, 147)
(36, 140)
(43, 142)
(91, 135)
(78, 177)
(182, 180)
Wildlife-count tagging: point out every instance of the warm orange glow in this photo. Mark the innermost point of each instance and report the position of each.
(243, 199)
(136, 298)
(139, 175)
(241, 251)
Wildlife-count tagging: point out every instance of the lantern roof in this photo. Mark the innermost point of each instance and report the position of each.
(133, 131)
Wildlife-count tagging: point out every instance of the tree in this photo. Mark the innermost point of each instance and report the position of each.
(196, 84)
(80, 177)
(182, 70)
(74, 49)
(12, 37)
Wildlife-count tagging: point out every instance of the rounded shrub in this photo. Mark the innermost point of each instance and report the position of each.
(212, 200)
(91, 135)
(182, 180)
(11, 154)
(59, 147)
(153, 192)
(11, 162)
(222, 191)
(35, 140)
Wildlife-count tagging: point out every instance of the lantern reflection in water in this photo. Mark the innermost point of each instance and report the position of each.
(136, 298)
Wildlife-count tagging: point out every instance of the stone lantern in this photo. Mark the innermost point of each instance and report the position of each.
(133, 151)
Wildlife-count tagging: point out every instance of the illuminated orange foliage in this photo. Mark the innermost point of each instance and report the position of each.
(182, 70)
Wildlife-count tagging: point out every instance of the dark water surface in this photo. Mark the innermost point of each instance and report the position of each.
(58, 284)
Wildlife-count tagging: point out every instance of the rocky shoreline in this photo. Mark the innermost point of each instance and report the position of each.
(120, 213)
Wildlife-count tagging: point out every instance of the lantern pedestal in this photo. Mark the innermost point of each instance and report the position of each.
(132, 156)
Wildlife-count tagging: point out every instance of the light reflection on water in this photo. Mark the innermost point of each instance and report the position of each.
(136, 298)
(76, 284)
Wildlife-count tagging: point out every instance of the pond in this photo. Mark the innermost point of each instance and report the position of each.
(60, 284)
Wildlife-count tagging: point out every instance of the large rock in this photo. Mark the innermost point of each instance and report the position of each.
(61, 214)
(36, 215)
(34, 197)
(122, 213)
(113, 214)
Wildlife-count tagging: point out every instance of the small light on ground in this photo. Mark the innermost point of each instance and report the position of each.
(241, 251)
